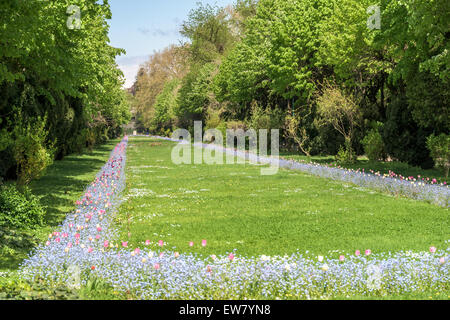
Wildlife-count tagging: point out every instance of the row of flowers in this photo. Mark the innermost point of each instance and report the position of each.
(87, 245)
(391, 174)
(410, 187)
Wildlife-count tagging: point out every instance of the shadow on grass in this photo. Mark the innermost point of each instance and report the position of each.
(62, 185)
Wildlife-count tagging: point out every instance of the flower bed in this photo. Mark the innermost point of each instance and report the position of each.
(87, 245)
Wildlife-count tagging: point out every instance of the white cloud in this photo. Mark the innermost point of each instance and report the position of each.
(130, 67)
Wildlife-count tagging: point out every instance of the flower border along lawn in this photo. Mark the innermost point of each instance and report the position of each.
(88, 241)
(62, 184)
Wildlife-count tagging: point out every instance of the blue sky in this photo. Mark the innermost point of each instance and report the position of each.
(144, 26)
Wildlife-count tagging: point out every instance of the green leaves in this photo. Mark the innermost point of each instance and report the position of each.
(48, 68)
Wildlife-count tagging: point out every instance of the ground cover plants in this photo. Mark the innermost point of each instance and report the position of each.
(174, 243)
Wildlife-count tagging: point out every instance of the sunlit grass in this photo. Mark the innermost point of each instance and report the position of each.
(234, 207)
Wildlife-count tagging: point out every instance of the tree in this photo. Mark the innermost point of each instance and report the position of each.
(66, 77)
(162, 67)
(338, 109)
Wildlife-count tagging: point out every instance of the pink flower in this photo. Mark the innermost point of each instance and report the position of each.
(191, 244)
(97, 237)
(231, 257)
(99, 229)
(147, 243)
(432, 249)
(58, 240)
(341, 258)
(368, 252)
(177, 254)
(203, 243)
(69, 245)
(90, 250)
(161, 254)
(106, 244)
(442, 260)
(125, 244)
(156, 266)
(357, 253)
(47, 243)
(77, 236)
(161, 243)
(137, 250)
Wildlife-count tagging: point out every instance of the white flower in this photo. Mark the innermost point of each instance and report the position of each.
(320, 258)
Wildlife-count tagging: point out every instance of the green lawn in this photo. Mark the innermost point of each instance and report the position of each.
(234, 207)
(62, 185)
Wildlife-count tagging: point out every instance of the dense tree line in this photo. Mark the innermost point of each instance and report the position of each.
(60, 88)
(320, 70)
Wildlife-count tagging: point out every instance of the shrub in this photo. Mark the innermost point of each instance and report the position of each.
(373, 144)
(345, 155)
(439, 147)
(31, 152)
(20, 209)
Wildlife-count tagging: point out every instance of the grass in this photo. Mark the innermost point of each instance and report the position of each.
(234, 207)
(63, 184)
(378, 166)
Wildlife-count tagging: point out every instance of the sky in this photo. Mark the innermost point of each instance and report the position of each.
(144, 26)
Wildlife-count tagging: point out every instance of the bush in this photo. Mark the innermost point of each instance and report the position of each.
(31, 152)
(439, 147)
(373, 144)
(20, 209)
(345, 155)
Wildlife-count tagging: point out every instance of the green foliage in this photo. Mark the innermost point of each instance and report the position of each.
(194, 95)
(416, 34)
(373, 143)
(295, 131)
(14, 288)
(440, 151)
(20, 209)
(345, 155)
(30, 149)
(165, 106)
(208, 29)
(403, 139)
(278, 54)
(339, 109)
(265, 118)
(67, 76)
